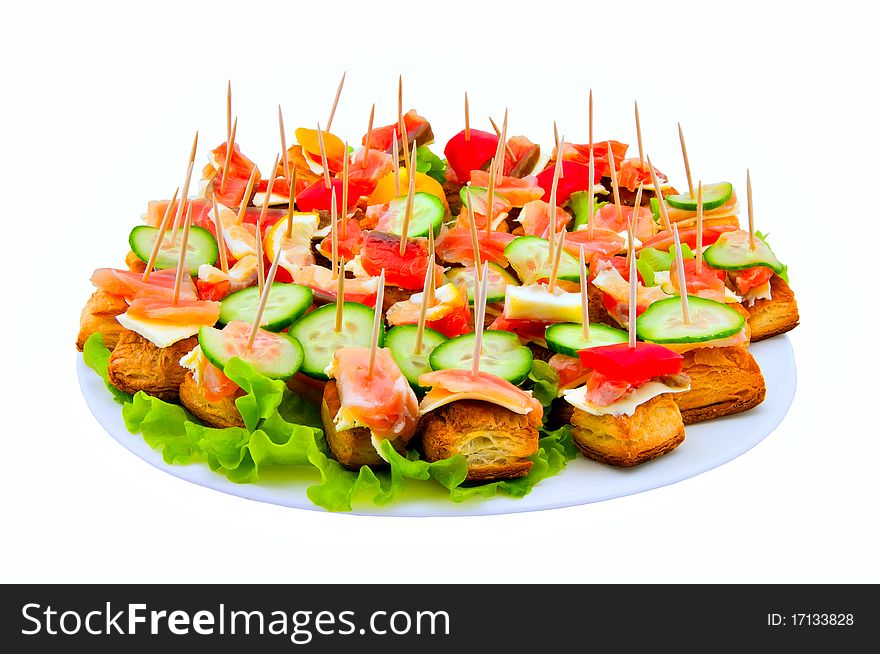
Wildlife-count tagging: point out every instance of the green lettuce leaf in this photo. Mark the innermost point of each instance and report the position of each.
(545, 382)
(784, 273)
(580, 204)
(96, 355)
(429, 163)
(284, 429)
(652, 260)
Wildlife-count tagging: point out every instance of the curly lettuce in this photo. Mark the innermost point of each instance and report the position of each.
(284, 429)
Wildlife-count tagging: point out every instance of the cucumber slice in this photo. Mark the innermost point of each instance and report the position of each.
(201, 247)
(568, 337)
(530, 258)
(732, 252)
(316, 331)
(662, 322)
(503, 355)
(499, 279)
(278, 356)
(286, 303)
(401, 340)
(477, 192)
(427, 213)
(714, 195)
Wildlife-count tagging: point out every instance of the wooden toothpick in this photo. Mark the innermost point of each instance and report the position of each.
(633, 301)
(181, 259)
(230, 146)
(160, 235)
(475, 241)
(480, 318)
(631, 226)
(467, 119)
(687, 165)
(335, 101)
(639, 135)
(345, 192)
(664, 212)
(410, 198)
(261, 266)
(507, 147)
(551, 236)
(369, 136)
(614, 186)
(682, 280)
(699, 251)
(395, 162)
(228, 109)
(423, 309)
(499, 157)
(554, 271)
(221, 239)
(264, 298)
(323, 158)
(334, 232)
(377, 323)
(183, 203)
(591, 121)
(283, 144)
(252, 180)
(751, 214)
(340, 295)
(591, 193)
(431, 262)
(490, 197)
(585, 303)
(291, 203)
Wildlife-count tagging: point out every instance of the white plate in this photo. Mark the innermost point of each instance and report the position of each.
(706, 446)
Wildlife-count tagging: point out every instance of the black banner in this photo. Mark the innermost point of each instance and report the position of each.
(326, 618)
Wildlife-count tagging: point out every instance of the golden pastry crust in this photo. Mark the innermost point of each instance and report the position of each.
(495, 441)
(99, 315)
(353, 448)
(655, 428)
(222, 413)
(134, 262)
(724, 380)
(138, 365)
(768, 318)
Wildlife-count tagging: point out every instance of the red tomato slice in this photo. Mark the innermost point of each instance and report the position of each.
(635, 365)
(382, 251)
(213, 291)
(317, 197)
(464, 155)
(453, 324)
(575, 177)
(749, 278)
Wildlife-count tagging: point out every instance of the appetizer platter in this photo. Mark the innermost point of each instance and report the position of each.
(374, 325)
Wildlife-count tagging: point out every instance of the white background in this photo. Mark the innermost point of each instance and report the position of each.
(99, 105)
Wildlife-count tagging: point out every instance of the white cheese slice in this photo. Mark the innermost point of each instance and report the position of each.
(761, 292)
(537, 302)
(274, 200)
(441, 397)
(158, 332)
(191, 360)
(625, 406)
